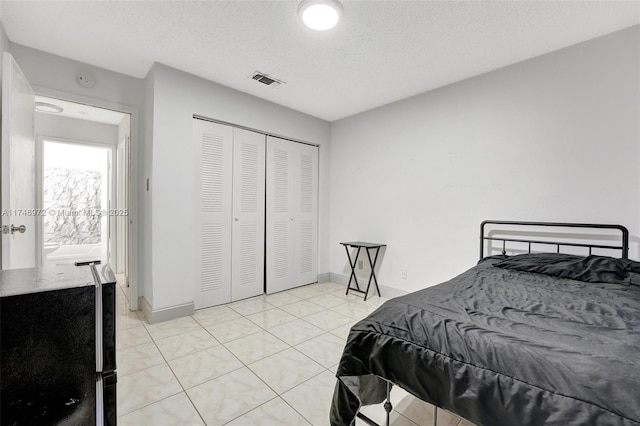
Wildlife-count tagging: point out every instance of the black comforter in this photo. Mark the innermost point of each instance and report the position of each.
(502, 347)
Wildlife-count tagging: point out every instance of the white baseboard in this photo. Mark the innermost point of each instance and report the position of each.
(173, 312)
(165, 314)
(324, 278)
(338, 278)
(391, 292)
(385, 291)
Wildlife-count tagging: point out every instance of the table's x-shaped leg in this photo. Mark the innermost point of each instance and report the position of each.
(372, 264)
(353, 269)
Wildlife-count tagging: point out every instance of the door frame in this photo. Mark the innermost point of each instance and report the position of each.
(133, 183)
(7, 108)
(39, 188)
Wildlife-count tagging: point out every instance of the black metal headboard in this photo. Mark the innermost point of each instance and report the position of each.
(623, 246)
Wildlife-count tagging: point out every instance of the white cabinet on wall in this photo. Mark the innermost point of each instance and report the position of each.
(292, 214)
(231, 215)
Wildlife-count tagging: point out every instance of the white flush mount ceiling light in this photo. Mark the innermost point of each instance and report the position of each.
(47, 107)
(320, 15)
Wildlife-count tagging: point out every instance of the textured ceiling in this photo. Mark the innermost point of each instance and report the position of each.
(382, 51)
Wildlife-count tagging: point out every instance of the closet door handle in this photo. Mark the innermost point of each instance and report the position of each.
(236, 219)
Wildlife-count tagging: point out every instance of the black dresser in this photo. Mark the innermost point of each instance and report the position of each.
(57, 346)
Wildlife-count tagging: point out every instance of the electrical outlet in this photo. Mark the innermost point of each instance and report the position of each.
(403, 274)
(360, 264)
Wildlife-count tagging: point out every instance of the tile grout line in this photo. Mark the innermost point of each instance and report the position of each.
(292, 407)
(194, 407)
(178, 380)
(286, 322)
(279, 395)
(193, 353)
(406, 418)
(253, 409)
(170, 369)
(304, 381)
(172, 372)
(151, 403)
(142, 369)
(264, 328)
(253, 372)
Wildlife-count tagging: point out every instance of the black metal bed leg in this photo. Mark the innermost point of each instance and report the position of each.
(435, 416)
(387, 404)
(387, 407)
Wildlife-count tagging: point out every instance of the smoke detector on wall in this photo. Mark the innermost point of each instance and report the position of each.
(266, 79)
(86, 80)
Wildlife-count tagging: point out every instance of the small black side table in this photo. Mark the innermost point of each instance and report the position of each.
(368, 246)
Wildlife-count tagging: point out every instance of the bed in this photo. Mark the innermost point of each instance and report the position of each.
(525, 339)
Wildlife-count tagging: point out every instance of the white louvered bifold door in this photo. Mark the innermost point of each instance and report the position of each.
(279, 221)
(214, 151)
(247, 248)
(306, 158)
(291, 222)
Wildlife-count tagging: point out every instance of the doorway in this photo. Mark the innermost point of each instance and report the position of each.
(82, 184)
(28, 118)
(77, 190)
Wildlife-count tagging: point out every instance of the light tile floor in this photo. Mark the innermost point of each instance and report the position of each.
(268, 360)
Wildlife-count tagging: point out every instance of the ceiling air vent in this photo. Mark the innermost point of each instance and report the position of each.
(265, 79)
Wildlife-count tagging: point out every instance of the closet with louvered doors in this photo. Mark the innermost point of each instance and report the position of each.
(292, 214)
(230, 219)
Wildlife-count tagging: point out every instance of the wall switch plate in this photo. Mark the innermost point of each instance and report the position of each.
(360, 264)
(403, 274)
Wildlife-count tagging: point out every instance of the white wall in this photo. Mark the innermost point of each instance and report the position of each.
(49, 72)
(55, 76)
(166, 100)
(74, 129)
(555, 138)
(4, 45)
(145, 197)
(177, 97)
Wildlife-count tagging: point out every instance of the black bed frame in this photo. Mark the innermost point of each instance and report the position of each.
(623, 246)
